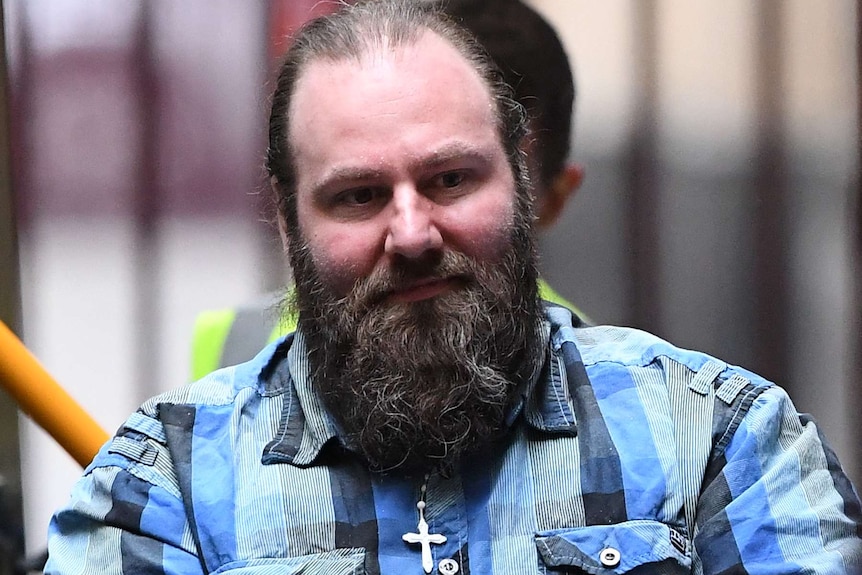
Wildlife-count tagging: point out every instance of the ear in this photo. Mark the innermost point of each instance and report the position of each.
(558, 193)
(282, 223)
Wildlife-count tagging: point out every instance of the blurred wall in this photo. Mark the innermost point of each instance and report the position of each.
(721, 146)
(11, 512)
(138, 132)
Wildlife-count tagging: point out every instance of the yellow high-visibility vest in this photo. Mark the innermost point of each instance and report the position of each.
(229, 336)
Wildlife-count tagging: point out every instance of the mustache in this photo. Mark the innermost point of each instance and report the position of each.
(404, 273)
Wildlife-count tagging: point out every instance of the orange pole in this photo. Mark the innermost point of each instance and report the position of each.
(42, 398)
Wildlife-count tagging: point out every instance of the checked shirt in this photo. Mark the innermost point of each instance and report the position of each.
(625, 455)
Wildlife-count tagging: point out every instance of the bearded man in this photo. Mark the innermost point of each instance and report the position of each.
(431, 414)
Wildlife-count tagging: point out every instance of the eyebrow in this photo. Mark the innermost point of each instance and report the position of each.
(456, 151)
(346, 174)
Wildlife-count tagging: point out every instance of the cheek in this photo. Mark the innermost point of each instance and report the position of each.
(485, 232)
(342, 257)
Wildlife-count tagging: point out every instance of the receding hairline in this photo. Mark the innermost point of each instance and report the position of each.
(381, 43)
(386, 47)
(364, 27)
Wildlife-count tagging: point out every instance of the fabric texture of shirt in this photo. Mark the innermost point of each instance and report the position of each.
(626, 455)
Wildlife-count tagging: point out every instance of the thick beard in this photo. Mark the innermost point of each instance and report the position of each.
(412, 385)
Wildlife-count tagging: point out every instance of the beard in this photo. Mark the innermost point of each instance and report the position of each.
(412, 385)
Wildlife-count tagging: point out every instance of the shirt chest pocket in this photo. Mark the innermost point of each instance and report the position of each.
(337, 562)
(638, 547)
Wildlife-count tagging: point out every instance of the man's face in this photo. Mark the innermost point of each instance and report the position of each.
(397, 157)
(413, 261)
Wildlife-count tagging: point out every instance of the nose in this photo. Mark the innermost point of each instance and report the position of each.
(412, 229)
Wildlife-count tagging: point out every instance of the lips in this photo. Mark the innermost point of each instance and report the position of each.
(423, 289)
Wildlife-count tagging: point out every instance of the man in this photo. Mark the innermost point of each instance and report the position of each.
(430, 415)
(516, 37)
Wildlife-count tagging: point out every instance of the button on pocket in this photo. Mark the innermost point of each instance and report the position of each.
(448, 567)
(618, 549)
(609, 557)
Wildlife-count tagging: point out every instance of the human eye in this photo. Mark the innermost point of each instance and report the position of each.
(358, 196)
(451, 184)
(356, 202)
(450, 180)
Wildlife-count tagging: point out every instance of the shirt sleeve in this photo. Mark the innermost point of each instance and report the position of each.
(125, 516)
(775, 499)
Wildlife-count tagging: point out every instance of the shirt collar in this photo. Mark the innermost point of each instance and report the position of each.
(547, 402)
(305, 427)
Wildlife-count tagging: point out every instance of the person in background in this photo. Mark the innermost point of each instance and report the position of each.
(534, 62)
(431, 413)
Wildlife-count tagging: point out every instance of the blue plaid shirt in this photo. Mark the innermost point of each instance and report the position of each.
(627, 455)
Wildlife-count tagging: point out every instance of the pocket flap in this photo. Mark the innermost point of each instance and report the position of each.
(606, 549)
(336, 562)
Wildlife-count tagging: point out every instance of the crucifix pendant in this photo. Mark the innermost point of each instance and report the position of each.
(424, 539)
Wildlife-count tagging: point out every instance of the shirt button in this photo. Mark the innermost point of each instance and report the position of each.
(448, 567)
(609, 557)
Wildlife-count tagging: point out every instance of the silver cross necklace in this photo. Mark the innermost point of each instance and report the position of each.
(423, 538)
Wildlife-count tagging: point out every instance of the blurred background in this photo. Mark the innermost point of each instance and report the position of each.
(721, 207)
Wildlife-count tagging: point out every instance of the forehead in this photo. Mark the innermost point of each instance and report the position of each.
(429, 56)
(390, 94)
